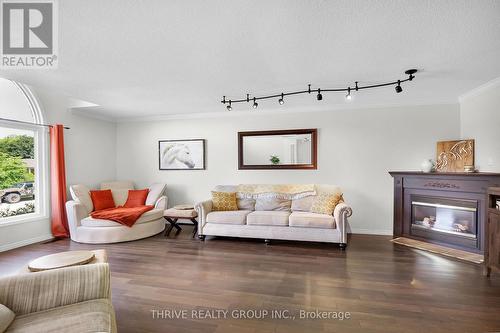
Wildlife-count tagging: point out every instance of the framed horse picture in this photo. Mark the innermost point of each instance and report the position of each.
(182, 154)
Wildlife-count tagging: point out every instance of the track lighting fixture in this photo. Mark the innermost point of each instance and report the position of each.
(319, 96)
(348, 96)
(398, 87)
(281, 100)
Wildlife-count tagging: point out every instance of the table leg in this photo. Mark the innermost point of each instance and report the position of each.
(195, 230)
(173, 224)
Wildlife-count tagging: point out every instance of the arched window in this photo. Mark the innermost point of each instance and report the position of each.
(23, 155)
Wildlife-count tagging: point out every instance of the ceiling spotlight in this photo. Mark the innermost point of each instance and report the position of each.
(319, 97)
(229, 107)
(348, 96)
(398, 87)
(255, 104)
(281, 101)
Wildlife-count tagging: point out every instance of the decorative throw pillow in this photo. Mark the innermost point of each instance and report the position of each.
(81, 193)
(224, 201)
(276, 204)
(303, 204)
(6, 317)
(136, 198)
(102, 199)
(119, 196)
(324, 203)
(246, 204)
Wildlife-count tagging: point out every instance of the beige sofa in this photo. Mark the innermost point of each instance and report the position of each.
(74, 299)
(86, 229)
(286, 223)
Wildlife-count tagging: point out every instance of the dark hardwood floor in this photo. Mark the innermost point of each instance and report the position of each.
(385, 287)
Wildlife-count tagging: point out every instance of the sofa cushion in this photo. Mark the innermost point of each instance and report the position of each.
(89, 316)
(311, 220)
(268, 204)
(118, 185)
(273, 218)
(303, 204)
(246, 204)
(224, 201)
(149, 216)
(6, 317)
(228, 217)
(156, 190)
(81, 193)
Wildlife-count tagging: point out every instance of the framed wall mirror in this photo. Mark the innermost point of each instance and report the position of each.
(282, 149)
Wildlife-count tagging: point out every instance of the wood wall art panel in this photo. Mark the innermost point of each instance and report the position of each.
(453, 156)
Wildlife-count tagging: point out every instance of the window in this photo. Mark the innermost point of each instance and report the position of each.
(23, 155)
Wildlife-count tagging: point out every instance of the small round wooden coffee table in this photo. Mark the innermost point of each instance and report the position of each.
(60, 260)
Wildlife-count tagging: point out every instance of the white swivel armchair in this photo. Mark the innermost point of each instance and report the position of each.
(85, 229)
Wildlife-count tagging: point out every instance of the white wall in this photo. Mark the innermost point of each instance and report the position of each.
(480, 120)
(90, 147)
(356, 150)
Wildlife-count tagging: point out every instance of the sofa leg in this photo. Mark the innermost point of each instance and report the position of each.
(267, 241)
(201, 237)
(342, 246)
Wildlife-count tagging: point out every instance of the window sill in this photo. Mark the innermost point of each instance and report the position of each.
(8, 221)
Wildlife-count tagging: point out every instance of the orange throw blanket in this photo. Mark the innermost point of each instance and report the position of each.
(122, 215)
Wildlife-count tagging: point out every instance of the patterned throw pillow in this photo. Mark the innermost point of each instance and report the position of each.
(224, 201)
(325, 203)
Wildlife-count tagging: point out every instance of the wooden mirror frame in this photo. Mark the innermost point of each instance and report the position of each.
(314, 149)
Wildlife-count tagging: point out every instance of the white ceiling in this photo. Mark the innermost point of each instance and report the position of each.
(148, 58)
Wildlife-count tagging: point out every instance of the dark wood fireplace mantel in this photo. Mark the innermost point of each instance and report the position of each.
(458, 198)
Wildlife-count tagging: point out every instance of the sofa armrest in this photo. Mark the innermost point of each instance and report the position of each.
(341, 213)
(162, 202)
(203, 208)
(32, 292)
(75, 212)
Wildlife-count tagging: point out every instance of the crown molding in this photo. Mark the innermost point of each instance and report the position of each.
(478, 90)
(297, 109)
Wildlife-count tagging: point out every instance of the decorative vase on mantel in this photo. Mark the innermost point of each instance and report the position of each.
(428, 166)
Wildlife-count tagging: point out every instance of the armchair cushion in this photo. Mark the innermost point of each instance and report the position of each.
(311, 220)
(120, 196)
(148, 216)
(33, 292)
(6, 317)
(156, 190)
(81, 193)
(89, 316)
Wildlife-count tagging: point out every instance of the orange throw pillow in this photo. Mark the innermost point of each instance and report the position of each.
(102, 199)
(136, 198)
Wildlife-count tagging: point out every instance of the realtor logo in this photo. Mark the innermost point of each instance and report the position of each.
(29, 34)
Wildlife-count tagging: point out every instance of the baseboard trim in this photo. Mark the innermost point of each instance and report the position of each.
(371, 231)
(25, 242)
